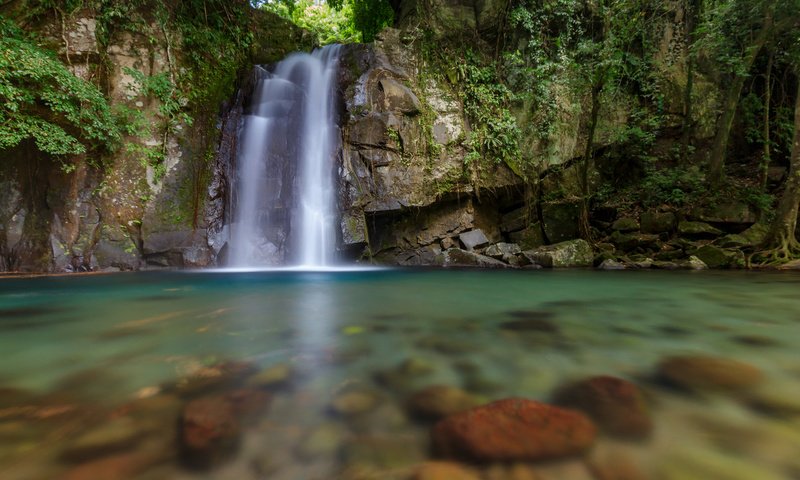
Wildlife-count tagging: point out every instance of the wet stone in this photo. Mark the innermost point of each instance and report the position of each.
(513, 429)
(616, 405)
(447, 346)
(515, 471)
(439, 401)
(406, 375)
(210, 431)
(222, 375)
(697, 372)
(274, 376)
(381, 451)
(445, 471)
(355, 401)
(755, 340)
(112, 436)
(325, 440)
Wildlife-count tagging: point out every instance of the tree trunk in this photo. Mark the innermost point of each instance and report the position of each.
(692, 7)
(781, 236)
(597, 88)
(765, 161)
(716, 163)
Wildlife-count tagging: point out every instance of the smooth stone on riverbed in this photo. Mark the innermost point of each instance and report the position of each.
(112, 436)
(209, 431)
(513, 429)
(384, 452)
(616, 405)
(273, 376)
(438, 401)
(351, 402)
(445, 471)
(698, 372)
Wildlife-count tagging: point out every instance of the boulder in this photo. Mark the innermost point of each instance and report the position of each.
(625, 224)
(473, 239)
(611, 264)
(700, 372)
(516, 220)
(560, 220)
(696, 230)
(572, 253)
(503, 251)
(617, 406)
(455, 257)
(513, 429)
(654, 221)
(529, 237)
(716, 257)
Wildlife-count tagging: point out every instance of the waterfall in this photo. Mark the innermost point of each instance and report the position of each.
(283, 200)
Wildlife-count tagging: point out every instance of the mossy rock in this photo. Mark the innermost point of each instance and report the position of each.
(716, 257)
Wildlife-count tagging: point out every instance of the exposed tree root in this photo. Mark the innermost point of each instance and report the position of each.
(785, 249)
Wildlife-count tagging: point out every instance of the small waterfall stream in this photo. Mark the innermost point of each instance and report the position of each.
(283, 201)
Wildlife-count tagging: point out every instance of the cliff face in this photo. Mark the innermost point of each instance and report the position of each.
(147, 203)
(411, 182)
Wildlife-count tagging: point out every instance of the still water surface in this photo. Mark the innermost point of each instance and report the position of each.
(95, 370)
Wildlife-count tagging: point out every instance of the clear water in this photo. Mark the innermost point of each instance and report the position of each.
(94, 344)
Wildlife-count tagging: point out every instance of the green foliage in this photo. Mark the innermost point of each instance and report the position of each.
(674, 186)
(371, 16)
(336, 21)
(328, 24)
(40, 99)
(494, 136)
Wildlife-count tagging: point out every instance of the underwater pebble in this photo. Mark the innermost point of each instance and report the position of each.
(616, 405)
(513, 429)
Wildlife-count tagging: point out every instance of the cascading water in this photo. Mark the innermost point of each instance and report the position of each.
(283, 208)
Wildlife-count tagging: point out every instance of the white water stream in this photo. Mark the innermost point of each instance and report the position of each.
(284, 207)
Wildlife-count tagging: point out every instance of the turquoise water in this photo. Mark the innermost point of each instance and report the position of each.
(78, 351)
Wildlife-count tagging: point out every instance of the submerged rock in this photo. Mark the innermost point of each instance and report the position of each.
(571, 253)
(698, 372)
(115, 435)
(357, 401)
(439, 401)
(445, 471)
(276, 375)
(616, 405)
(209, 431)
(513, 429)
(380, 451)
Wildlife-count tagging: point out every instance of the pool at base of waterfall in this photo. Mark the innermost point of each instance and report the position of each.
(401, 374)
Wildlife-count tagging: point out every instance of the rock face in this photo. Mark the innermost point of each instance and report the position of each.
(513, 429)
(133, 212)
